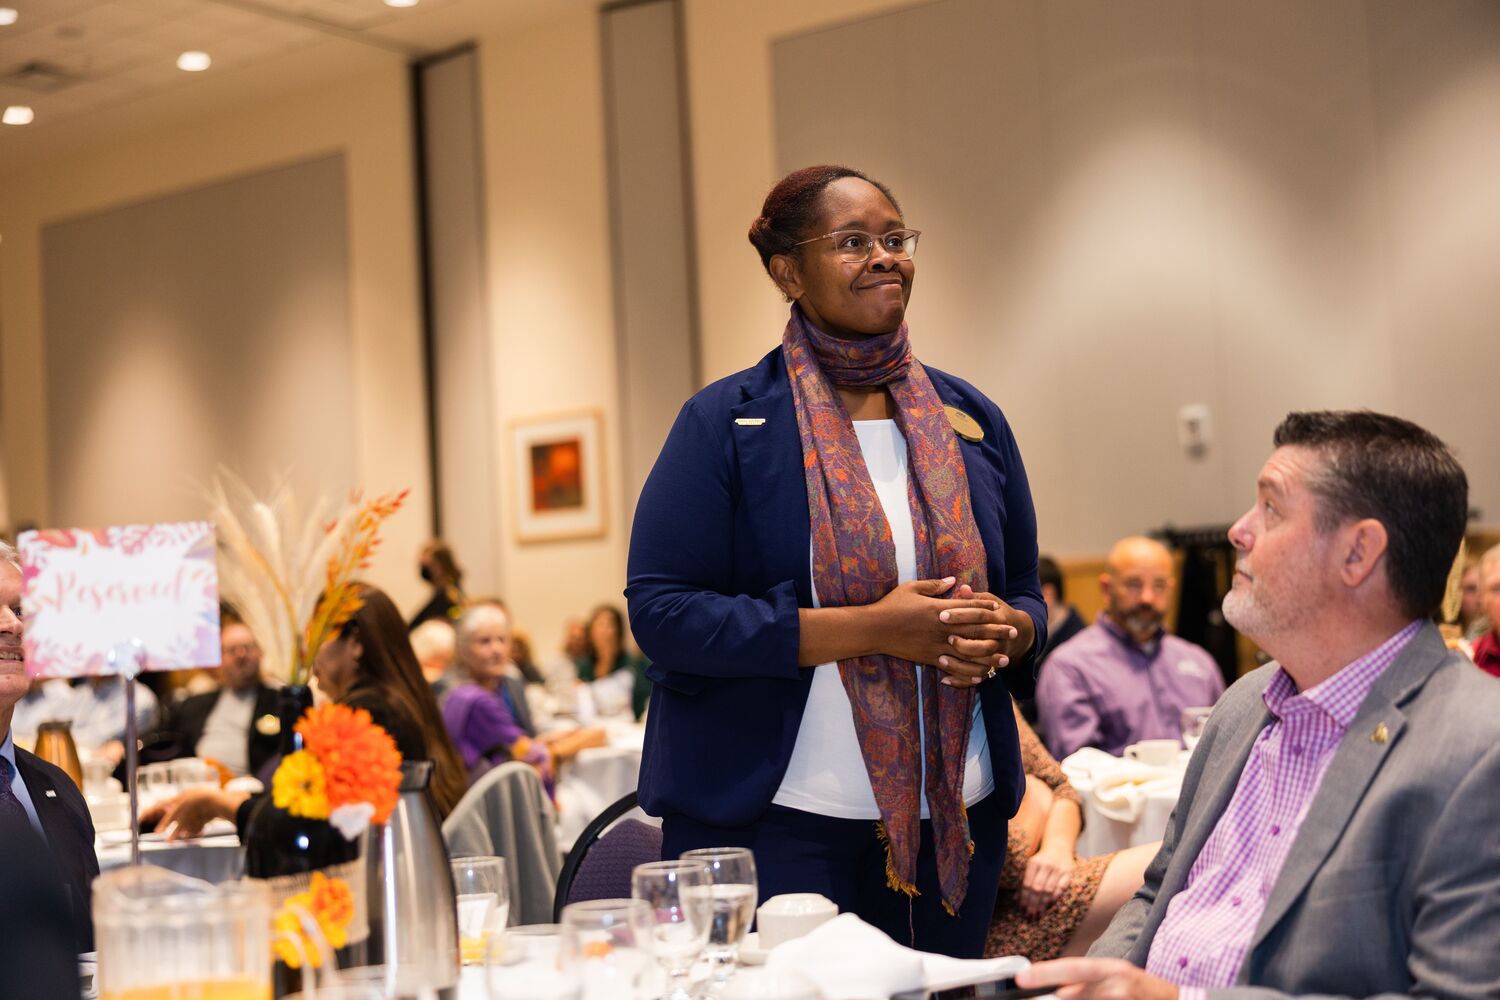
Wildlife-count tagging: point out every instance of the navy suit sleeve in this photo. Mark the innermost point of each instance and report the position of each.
(686, 609)
(1023, 585)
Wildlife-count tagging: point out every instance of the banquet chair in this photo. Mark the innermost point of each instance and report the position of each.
(507, 813)
(600, 863)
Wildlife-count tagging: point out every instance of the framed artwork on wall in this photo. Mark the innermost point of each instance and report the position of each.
(558, 477)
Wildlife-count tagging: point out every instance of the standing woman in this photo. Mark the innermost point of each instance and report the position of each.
(834, 554)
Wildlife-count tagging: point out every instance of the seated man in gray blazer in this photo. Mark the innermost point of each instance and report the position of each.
(1337, 829)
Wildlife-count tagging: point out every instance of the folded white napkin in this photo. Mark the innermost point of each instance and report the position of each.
(1119, 785)
(850, 960)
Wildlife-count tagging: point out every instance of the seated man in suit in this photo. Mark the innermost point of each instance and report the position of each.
(236, 725)
(1336, 829)
(1125, 678)
(32, 790)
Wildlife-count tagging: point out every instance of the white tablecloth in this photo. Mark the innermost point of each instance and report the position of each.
(1125, 802)
(213, 859)
(597, 777)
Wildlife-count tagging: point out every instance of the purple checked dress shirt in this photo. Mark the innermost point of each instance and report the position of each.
(1102, 689)
(1207, 928)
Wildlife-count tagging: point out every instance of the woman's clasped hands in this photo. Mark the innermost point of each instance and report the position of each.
(967, 635)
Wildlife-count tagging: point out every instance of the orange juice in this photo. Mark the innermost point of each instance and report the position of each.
(205, 989)
(473, 948)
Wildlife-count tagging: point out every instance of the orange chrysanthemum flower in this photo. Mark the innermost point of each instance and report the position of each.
(360, 760)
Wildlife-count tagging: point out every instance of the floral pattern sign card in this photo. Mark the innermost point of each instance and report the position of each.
(87, 592)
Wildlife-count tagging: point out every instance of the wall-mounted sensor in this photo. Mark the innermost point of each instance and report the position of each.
(1194, 429)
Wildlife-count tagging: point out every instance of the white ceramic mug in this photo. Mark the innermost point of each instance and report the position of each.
(1157, 753)
(791, 915)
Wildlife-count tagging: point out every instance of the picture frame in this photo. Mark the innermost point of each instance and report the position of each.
(557, 475)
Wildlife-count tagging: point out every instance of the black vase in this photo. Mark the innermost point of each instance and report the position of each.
(278, 843)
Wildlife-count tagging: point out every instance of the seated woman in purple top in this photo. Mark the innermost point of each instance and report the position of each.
(482, 726)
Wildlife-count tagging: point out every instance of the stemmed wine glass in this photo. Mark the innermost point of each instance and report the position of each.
(680, 894)
(733, 890)
(611, 943)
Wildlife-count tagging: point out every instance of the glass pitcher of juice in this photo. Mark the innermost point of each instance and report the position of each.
(164, 936)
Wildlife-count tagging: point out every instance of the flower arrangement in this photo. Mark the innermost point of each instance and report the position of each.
(292, 577)
(348, 771)
(329, 903)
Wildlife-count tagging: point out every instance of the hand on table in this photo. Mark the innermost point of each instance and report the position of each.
(186, 815)
(1096, 979)
(1047, 874)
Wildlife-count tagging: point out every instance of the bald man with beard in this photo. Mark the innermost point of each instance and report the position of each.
(1124, 679)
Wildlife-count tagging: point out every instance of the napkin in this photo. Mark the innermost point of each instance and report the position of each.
(1119, 785)
(847, 959)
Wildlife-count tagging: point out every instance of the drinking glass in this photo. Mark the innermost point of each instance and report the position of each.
(680, 894)
(732, 871)
(611, 945)
(1193, 721)
(483, 895)
(527, 963)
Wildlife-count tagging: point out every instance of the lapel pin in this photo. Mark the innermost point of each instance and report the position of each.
(268, 725)
(1381, 734)
(51, 794)
(750, 421)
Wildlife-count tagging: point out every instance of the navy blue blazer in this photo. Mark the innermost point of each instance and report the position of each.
(719, 567)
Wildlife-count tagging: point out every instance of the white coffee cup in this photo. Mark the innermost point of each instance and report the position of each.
(791, 915)
(1157, 753)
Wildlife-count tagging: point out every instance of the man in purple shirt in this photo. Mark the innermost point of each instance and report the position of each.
(1124, 679)
(1336, 833)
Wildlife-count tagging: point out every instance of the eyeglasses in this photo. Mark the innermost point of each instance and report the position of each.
(855, 246)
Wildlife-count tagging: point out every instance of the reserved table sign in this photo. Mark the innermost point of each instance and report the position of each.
(85, 592)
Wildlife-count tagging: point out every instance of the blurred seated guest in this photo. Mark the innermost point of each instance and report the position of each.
(440, 570)
(561, 668)
(97, 712)
(1051, 901)
(1472, 621)
(524, 659)
(1124, 679)
(236, 725)
(44, 701)
(481, 714)
(34, 792)
(608, 658)
(433, 642)
(1335, 835)
(1063, 623)
(1487, 646)
(370, 666)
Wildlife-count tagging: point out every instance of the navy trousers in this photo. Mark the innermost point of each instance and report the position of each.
(844, 860)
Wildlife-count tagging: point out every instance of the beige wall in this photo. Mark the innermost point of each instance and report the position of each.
(1131, 207)
(551, 308)
(364, 116)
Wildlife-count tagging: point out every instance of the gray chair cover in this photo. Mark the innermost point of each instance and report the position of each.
(507, 813)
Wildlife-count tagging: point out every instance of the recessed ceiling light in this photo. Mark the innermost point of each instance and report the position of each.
(8, 15)
(17, 114)
(400, 3)
(194, 62)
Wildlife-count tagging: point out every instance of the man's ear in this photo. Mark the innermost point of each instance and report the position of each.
(1104, 581)
(784, 273)
(1365, 544)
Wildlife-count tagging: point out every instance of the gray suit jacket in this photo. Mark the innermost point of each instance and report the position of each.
(1392, 887)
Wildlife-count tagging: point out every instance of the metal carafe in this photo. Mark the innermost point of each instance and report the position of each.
(411, 895)
(54, 744)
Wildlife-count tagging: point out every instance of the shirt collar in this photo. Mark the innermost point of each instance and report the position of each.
(1117, 630)
(1340, 695)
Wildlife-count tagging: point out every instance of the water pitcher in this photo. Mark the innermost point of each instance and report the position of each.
(164, 936)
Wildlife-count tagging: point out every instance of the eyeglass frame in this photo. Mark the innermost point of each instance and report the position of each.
(870, 251)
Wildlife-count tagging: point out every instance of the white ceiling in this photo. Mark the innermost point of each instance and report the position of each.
(80, 62)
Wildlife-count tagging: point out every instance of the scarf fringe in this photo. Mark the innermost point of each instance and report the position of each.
(893, 880)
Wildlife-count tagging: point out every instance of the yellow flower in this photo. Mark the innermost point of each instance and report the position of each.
(330, 902)
(299, 786)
